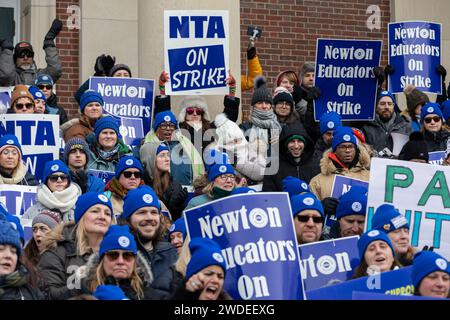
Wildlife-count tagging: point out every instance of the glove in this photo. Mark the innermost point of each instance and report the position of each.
(379, 74)
(103, 65)
(55, 29)
(441, 70)
(163, 79)
(6, 44)
(313, 93)
(389, 69)
(231, 82)
(251, 53)
(80, 178)
(329, 205)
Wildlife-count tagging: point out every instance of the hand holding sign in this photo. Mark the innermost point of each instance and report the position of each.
(163, 79)
(231, 83)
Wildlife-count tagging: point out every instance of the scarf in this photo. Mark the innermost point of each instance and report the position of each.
(196, 125)
(220, 193)
(64, 200)
(263, 122)
(107, 155)
(388, 124)
(17, 176)
(115, 187)
(15, 279)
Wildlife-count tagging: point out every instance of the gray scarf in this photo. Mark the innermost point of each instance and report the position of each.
(388, 124)
(264, 121)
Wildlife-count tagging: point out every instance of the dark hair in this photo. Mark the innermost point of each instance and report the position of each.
(361, 270)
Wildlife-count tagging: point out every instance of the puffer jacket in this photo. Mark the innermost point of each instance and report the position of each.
(436, 141)
(322, 184)
(16, 286)
(60, 264)
(303, 170)
(10, 75)
(80, 128)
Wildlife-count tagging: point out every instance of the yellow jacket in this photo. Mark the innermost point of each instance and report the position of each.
(254, 70)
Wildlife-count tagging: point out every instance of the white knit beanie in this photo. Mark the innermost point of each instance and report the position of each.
(227, 131)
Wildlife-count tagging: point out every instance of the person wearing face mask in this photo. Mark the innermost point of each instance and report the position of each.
(434, 130)
(12, 168)
(431, 275)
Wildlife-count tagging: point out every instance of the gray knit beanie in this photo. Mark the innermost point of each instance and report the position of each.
(50, 218)
(260, 92)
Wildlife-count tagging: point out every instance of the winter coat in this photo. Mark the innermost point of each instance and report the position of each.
(254, 70)
(322, 184)
(79, 127)
(300, 95)
(162, 260)
(198, 201)
(20, 176)
(96, 162)
(10, 75)
(95, 184)
(60, 264)
(436, 141)
(415, 125)
(143, 269)
(175, 197)
(379, 137)
(303, 170)
(16, 286)
(116, 193)
(54, 108)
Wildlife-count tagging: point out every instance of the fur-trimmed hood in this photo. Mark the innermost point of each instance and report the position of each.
(327, 166)
(64, 232)
(64, 127)
(193, 101)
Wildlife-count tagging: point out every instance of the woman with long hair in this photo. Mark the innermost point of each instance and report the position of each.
(12, 168)
(434, 130)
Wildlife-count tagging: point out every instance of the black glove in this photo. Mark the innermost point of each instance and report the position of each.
(313, 93)
(389, 69)
(80, 177)
(6, 44)
(103, 65)
(251, 53)
(329, 205)
(441, 70)
(55, 29)
(379, 74)
(426, 248)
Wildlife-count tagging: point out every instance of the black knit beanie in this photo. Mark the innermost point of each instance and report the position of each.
(415, 148)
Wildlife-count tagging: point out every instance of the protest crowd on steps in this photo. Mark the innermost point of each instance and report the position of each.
(125, 236)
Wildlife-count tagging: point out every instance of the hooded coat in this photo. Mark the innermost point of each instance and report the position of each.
(436, 141)
(79, 127)
(16, 286)
(303, 170)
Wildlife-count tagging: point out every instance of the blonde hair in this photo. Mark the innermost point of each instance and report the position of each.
(184, 258)
(81, 238)
(100, 276)
(208, 190)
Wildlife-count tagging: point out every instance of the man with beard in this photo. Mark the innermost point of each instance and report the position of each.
(142, 213)
(387, 121)
(17, 65)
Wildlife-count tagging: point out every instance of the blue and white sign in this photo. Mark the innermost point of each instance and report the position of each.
(17, 199)
(38, 135)
(397, 282)
(436, 157)
(130, 101)
(357, 295)
(257, 237)
(5, 99)
(414, 52)
(328, 262)
(344, 76)
(196, 53)
(104, 175)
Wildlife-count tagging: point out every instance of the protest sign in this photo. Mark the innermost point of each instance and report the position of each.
(5, 99)
(130, 101)
(17, 199)
(326, 262)
(414, 53)
(344, 76)
(436, 157)
(104, 175)
(38, 135)
(399, 140)
(196, 51)
(257, 237)
(397, 282)
(419, 191)
(357, 295)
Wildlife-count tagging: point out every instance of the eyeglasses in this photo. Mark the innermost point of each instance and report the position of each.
(20, 106)
(283, 104)
(345, 147)
(305, 219)
(128, 174)
(55, 177)
(167, 126)
(225, 177)
(24, 54)
(45, 86)
(192, 110)
(114, 255)
(429, 119)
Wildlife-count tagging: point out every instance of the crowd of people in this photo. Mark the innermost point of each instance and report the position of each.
(127, 239)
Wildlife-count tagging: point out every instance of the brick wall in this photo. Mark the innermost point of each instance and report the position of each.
(67, 43)
(291, 27)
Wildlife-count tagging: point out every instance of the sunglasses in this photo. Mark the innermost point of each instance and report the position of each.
(128, 174)
(192, 110)
(55, 177)
(45, 86)
(20, 106)
(305, 219)
(24, 54)
(114, 255)
(435, 119)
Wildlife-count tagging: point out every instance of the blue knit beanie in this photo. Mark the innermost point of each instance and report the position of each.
(214, 156)
(141, 197)
(107, 122)
(204, 253)
(178, 226)
(87, 200)
(342, 135)
(430, 108)
(165, 116)
(109, 292)
(8, 234)
(54, 166)
(426, 262)
(90, 96)
(73, 144)
(43, 79)
(354, 202)
(306, 201)
(10, 140)
(330, 121)
(128, 162)
(162, 147)
(294, 186)
(118, 238)
(219, 169)
(369, 237)
(446, 109)
(242, 190)
(15, 223)
(387, 219)
(37, 94)
(386, 94)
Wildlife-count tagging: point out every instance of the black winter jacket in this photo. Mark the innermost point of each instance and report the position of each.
(436, 141)
(52, 102)
(15, 286)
